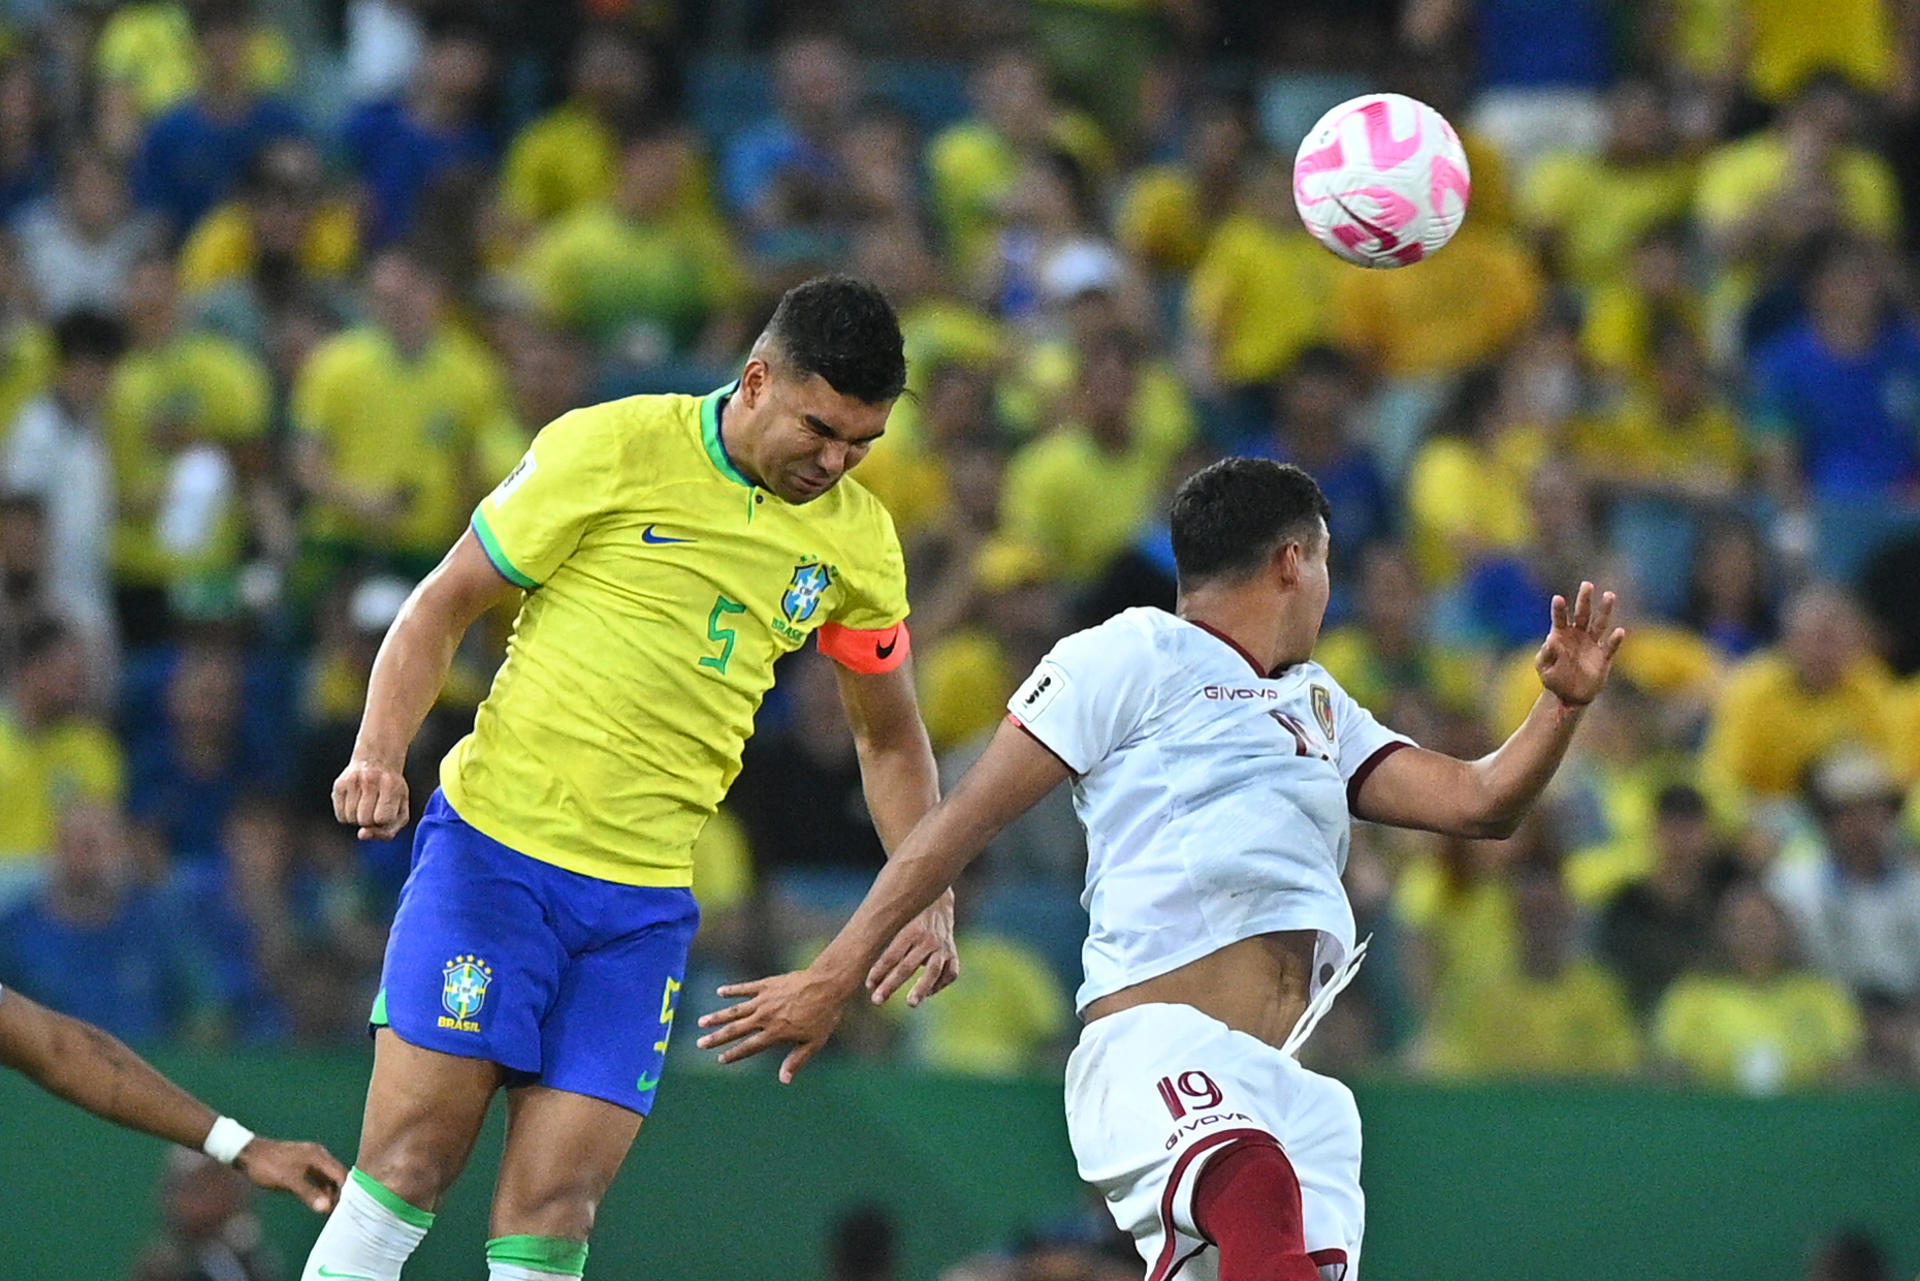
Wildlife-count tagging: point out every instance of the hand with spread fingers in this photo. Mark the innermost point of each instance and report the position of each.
(1574, 659)
(799, 1009)
(927, 941)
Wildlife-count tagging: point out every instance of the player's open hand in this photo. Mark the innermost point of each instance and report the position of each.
(926, 941)
(307, 1170)
(799, 1009)
(1574, 660)
(372, 797)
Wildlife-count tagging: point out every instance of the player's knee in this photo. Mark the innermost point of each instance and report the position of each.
(414, 1167)
(562, 1203)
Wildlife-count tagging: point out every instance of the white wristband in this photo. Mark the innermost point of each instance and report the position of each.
(225, 1140)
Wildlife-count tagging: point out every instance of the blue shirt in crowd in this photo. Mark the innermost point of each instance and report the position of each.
(398, 158)
(190, 161)
(130, 975)
(1855, 420)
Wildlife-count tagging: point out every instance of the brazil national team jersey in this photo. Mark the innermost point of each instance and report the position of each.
(661, 586)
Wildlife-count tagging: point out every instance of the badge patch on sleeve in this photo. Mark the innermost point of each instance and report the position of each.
(1032, 698)
(515, 478)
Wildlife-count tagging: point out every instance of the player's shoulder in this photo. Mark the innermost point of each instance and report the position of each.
(633, 431)
(1141, 635)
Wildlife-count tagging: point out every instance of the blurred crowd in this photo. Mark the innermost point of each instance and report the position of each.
(285, 286)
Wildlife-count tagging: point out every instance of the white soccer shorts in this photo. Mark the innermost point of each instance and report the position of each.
(1156, 1091)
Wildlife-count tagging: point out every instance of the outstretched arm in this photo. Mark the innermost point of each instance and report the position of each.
(85, 1066)
(901, 782)
(1489, 797)
(371, 793)
(802, 1009)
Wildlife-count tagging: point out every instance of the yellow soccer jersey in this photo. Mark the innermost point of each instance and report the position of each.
(661, 586)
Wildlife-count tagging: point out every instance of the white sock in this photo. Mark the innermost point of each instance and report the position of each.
(520, 1272)
(369, 1235)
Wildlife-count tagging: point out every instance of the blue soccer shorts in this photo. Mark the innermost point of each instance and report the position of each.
(565, 980)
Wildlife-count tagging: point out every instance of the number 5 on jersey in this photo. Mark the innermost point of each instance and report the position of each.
(724, 635)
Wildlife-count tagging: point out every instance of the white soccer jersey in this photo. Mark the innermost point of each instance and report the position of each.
(1215, 797)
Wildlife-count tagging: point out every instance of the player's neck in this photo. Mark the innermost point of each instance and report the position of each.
(1246, 619)
(733, 431)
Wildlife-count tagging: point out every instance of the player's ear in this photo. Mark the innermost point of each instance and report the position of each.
(754, 380)
(1288, 560)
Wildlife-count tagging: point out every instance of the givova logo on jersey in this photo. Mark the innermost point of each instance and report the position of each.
(463, 991)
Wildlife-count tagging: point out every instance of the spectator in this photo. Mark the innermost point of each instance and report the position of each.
(1170, 212)
(1079, 493)
(1049, 245)
(148, 51)
(1855, 899)
(1592, 209)
(974, 163)
(1821, 679)
(51, 752)
(96, 943)
(208, 1231)
(187, 425)
(1652, 292)
(639, 276)
(1556, 1014)
(1834, 394)
(196, 153)
(398, 147)
(26, 151)
(23, 573)
(1675, 439)
(1657, 926)
(569, 158)
(1730, 600)
(1387, 648)
(790, 160)
(1257, 297)
(190, 772)
(1317, 426)
(78, 247)
(1756, 1022)
(387, 414)
(1012, 617)
(57, 450)
(283, 228)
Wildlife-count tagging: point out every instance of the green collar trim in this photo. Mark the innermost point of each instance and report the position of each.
(710, 433)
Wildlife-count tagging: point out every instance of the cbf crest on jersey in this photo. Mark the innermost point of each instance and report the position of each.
(463, 991)
(810, 581)
(1323, 710)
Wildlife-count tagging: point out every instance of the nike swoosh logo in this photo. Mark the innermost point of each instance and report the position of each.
(646, 1083)
(648, 536)
(886, 650)
(344, 1276)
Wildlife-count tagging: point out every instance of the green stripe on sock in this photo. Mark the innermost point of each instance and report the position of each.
(544, 1254)
(400, 1210)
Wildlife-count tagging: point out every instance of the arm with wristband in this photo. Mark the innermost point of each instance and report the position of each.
(92, 1070)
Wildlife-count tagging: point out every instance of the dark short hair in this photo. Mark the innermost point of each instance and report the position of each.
(82, 333)
(844, 330)
(1228, 517)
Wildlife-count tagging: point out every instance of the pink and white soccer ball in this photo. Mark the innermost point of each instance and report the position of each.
(1381, 180)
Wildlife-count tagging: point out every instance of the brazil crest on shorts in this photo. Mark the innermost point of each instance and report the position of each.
(804, 592)
(463, 991)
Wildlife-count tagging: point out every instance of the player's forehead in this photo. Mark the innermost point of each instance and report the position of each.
(813, 399)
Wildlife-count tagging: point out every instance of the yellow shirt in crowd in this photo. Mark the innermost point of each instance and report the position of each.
(151, 48)
(1600, 210)
(1788, 1031)
(40, 774)
(661, 586)
(1767, 728)
(1457, 310)
(1576, 1023)
(197, 388)
(399, 426)
(1010, 1009)
(1077, 503)
(222, 247)
(1258, 296)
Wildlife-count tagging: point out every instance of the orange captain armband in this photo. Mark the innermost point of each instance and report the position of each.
(870, 650)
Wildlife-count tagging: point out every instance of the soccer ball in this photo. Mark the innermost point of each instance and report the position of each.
(1381, 180)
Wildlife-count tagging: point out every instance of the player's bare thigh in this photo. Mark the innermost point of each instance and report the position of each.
(562, 1153)
(424, 1111)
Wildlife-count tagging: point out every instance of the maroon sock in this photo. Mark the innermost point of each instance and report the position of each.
(1248, 1204)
